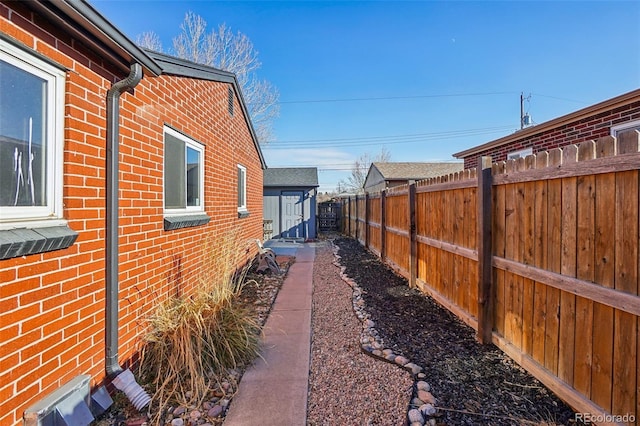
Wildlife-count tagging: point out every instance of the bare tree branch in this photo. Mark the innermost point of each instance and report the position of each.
(228, 51)
(359, 170)
(149, 40)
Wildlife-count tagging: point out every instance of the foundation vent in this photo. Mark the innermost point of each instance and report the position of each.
(66, 406)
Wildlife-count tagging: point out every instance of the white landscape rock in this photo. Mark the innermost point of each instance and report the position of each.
(415, 416)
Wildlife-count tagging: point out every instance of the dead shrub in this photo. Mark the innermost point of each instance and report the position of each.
(192, 340)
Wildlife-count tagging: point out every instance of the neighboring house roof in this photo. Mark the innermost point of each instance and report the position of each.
(415, 171)
(181, 67)
(298, 176)
(589, 111)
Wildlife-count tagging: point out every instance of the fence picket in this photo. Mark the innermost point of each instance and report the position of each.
(603, 315)
(568, 267)
(527, 249)
(554, 217)
(540, 261)
(510, 287)
(626, 279)
(585, 270)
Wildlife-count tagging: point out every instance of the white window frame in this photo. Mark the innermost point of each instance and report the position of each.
(35, 216)
(242, 208)
(522, 153)
(624, 126)
(189, 143)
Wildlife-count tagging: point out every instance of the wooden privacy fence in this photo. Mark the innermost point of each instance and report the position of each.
(539, 255)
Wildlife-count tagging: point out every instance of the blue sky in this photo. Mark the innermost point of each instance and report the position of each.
(424, 79)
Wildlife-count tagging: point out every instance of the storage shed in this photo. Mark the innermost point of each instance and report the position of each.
(290, 201)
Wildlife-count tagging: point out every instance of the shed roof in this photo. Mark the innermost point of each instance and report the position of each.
(291, 176)
(415, 170)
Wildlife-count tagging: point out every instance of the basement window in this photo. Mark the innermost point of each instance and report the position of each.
(630, 125)
(514, 155)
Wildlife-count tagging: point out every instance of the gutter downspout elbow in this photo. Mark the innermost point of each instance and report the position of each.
(112, 365)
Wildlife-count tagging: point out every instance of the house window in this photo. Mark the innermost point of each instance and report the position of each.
(629, 125)
(242, 189)
(183, 173)
(514, 155)
(31, 136)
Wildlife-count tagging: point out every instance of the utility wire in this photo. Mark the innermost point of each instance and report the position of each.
(382, 140)
(387, 98)
(400, 136)
(558, 98)
(392, 98)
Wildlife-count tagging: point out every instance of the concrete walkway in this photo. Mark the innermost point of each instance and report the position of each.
(273, 391)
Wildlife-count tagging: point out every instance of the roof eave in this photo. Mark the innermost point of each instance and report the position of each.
(245, 111)
(556, 122)
(82, 20)
(181, 67)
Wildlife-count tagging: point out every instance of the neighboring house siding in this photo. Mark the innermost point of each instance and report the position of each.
(588, 128)
(375, 181)
(52, 304)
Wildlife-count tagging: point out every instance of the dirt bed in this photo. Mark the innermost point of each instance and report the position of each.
(474, 384)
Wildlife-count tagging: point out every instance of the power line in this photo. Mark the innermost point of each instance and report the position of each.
(387, 98)
(382, 140)
(405, 135)
(558, 98)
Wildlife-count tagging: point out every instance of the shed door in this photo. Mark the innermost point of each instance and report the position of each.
(292, 219)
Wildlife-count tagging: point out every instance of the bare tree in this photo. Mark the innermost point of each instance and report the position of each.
(149, 40)
(359, 170)
(233, 52)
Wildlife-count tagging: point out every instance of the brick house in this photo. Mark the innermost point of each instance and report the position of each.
(117, 166)
(605, 118)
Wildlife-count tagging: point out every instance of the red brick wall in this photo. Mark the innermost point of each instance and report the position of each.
(590, 128)
(52, 304)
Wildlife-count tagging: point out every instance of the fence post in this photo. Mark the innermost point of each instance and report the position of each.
(366, 219)
(349, 214)
(413, 241)
(357, 218)
(485, 252)
(383, 218)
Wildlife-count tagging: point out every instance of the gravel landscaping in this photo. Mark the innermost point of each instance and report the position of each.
(346, 386)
